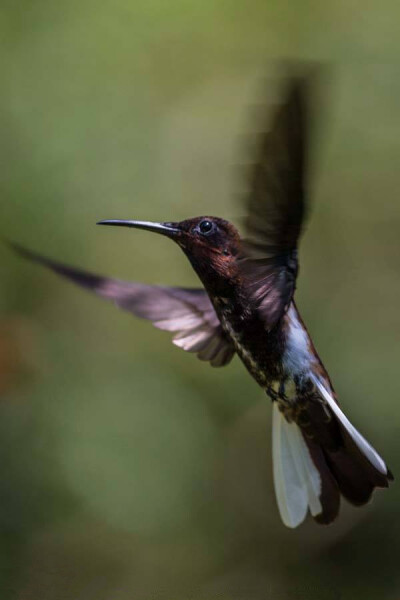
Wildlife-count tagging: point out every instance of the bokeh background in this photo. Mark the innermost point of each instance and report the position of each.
(129, 469)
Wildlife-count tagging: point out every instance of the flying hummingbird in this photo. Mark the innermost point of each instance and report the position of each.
(246, 307)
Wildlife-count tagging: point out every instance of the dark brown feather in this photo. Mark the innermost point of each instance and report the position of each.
(355, 475)
(277, 198)
(337, 459)
(276, 207)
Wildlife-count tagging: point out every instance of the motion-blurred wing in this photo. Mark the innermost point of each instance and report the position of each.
(276, 206)
(186, 312)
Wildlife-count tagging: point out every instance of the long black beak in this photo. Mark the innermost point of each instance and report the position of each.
(168, 229)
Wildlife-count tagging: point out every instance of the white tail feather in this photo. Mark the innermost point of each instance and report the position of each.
(358, 439)
(297, 480)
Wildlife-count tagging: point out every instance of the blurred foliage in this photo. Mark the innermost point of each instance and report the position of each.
(129, 468)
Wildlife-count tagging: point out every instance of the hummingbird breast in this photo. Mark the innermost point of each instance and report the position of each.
(260, 350)
(284, 352)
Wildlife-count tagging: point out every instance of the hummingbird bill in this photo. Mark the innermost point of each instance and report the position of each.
(246, 307)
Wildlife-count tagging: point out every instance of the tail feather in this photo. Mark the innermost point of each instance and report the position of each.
(354, 484)
(316, 463)
(302, 481)
(330, 492)
(364, 447)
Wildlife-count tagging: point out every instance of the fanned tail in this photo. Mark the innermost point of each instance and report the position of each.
(320, 457)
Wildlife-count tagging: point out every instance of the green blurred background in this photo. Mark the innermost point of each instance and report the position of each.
(129, 469)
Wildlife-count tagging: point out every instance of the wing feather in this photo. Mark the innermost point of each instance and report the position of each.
(276, 205)
(188, 313)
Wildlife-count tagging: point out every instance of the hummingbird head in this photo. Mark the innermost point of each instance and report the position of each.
(211, 244)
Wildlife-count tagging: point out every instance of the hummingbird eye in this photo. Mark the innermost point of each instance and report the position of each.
(206, 227)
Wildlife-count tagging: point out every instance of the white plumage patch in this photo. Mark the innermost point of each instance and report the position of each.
(369, 452)
(296, 478)
(297, 357)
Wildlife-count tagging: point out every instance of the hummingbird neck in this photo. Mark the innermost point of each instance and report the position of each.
(218, 276)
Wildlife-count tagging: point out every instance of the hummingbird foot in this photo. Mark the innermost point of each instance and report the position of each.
(273, 394)
(291, 400)
(278, 394)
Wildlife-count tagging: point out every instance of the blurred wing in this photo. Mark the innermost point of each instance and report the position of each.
(186, 312)
(276, 202)
(276, 206)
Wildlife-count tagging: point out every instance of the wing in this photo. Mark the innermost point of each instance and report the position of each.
(276, 206)
(186, 312)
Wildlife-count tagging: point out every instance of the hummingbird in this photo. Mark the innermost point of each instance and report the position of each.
(246, 307)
